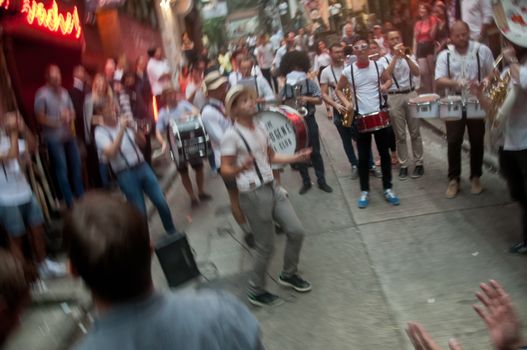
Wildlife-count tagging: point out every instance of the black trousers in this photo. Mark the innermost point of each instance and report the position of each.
(455, 130)
(316, 157)
(382, 140)
(513, 166)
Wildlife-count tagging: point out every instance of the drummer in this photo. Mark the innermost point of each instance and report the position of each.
(462, 63)
(264, 92)
(367, 83)
(402, 68)
(180, 111)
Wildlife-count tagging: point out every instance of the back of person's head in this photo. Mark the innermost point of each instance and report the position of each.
(109, 247)
(294, 61)
(14, 293)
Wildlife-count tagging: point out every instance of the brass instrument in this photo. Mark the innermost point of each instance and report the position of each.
(497, 91)
(404, 49)
(347, 118)
(301, 109)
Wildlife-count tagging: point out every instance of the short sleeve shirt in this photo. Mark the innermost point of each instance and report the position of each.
(366, 86)
(14, 188)
(232, 145)
(183, 108)
(402, 78)
(330, 76)
(466, 66)
(129, 154)
(52, 103)
(309, 88)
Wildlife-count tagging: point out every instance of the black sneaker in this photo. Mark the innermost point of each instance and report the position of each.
(403, 174)
(264, 299)
(418, 172)
(519, 248)
(305, 188)
(296, 282)
(325, 187)
(249, 240)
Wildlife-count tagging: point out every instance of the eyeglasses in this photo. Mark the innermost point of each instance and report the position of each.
(359, 47)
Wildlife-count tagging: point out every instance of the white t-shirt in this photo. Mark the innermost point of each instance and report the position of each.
(155, 70)
(128, 155)
(516, 120)
(183, 109)
(476, 13)
(216, 123)
(14, 188)
(465, 66)
(401, 72)
(265, 55)
(328, 76)
(233, 145)
(366, 85)
(322, 60)
(199, 97)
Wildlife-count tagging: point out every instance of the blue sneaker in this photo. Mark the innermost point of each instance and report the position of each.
(391, 197)
(363, 200)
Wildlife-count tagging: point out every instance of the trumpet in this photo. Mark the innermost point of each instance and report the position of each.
(302, 110)
(404, 50)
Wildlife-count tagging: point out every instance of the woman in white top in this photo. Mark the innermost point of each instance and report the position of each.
(322, 60)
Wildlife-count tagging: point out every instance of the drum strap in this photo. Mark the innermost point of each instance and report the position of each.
(258, 172)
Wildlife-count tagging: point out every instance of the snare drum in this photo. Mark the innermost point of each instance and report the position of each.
(286, 129)
(188, 140)
(424, 106)
(474, 109)
(372, 121)
(451, 108)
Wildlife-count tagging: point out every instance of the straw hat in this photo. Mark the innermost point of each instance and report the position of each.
(234, 93)
(214, 80)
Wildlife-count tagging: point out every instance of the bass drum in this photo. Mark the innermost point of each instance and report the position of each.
(188, 140)
(286, 129)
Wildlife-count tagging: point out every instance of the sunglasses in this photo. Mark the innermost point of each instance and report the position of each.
(359, 47)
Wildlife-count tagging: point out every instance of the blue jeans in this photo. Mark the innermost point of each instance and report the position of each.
(141, 179)
(347, 135)
(62, 154)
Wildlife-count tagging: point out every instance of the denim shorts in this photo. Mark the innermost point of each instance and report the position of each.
(17, 219)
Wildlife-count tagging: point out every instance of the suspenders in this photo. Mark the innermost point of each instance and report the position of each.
(477, 60)
(128, 166)
(395, 80)
(355, 88)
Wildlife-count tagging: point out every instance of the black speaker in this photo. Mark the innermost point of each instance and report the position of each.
(176, 259)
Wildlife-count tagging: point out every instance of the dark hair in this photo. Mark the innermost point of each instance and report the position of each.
(334, 45)
(108, 244)
(294, 60)
(358, 38)
(127, 74)
(317, 50)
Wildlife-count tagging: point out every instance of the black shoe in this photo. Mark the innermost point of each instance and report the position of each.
(403, 174)
(418, 172)
(296, 282)
(305, 188)
(325, 187)
(249, 240)
(264, 299)
(519, 248)
(205, 197)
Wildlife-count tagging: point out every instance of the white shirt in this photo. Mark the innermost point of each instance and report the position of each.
(282, 50)
(322, 60)
(366, 85)
(264, 54)
(335, 9)
(215, 124)
(465, 67)
(236, 76)
(330, 76)
(199, 97)
(516, 120)
(476, 13)
(401, 73)
(233, 145)
(275, 40)
(155, 70)
(129, 153)
(14, 188)
(183, 110)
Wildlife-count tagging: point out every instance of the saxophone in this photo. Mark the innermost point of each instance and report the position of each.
(347, 118)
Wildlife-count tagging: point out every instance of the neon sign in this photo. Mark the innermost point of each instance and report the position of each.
(50, 19)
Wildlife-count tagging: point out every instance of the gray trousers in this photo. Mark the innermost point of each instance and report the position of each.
(262, 207)
(400, 119)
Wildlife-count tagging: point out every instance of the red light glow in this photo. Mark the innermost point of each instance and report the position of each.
(4, 4)
(51, 19)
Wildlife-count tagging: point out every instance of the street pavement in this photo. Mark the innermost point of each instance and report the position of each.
(372, 269)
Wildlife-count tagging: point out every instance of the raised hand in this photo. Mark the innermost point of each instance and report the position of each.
(499, 315)
(421, 340)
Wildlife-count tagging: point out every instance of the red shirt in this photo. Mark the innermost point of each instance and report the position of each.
(422, 29)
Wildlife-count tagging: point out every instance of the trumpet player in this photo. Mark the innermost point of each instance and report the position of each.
(513, 147)
(463, 61)
(294, 66)
(402, 68)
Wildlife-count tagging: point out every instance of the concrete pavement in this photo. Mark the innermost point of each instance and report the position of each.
(373, 269)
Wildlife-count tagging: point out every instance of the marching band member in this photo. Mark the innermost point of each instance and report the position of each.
(117, 144)
(180, 111)
(264, 92)
(246, 156)
(462, 62)
(368, 83)
(402, 68)
(295, 66)
(216, 122)
(513, 151)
